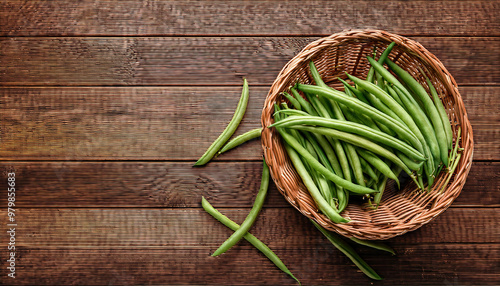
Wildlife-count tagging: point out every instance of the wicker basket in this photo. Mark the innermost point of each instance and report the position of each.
(400, 211)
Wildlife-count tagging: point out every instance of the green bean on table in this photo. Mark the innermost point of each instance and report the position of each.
(250, 219)
(230, 128)
(247, 136)
(248, 236)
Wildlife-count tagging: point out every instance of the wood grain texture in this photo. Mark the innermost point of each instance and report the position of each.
(163, 123)
(318, 264)
(280, 228)
(96, 17)
(179, 185)
(200, 60)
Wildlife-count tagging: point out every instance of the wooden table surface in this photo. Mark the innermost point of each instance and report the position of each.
(105, 106)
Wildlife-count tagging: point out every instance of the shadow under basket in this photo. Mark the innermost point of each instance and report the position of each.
(402, 210)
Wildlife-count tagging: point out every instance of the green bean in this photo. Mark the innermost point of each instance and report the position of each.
(394, 95)
(380, 81)
(348, 251)
(363, 119)
(377, 103)
(363, 108)
(230, 128)
(442, 113)
(319, 151)
(322, 204)
(306, 106)
(353, 158)
(429, 106)
(382, 58)
(354, 128)
(367, 169)
(293, 143)
(349, 150)
(378, 164)
(247, 136)
(248, 236)
(251, 217)
(374, 244)
(381, 187)
(360, 142)
(416, 112)
(409, 162)
(355, 91)
(293, 101)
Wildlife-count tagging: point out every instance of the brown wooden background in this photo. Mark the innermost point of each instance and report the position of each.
(105, 105)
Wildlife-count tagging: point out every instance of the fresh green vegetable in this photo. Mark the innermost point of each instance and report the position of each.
(248, 236)
(230, 128)
(247, 136)
(254, 212)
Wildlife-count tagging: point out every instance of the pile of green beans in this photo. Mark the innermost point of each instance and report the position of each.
(351, 142)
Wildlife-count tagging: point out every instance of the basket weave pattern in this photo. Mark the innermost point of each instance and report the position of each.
(400, 211)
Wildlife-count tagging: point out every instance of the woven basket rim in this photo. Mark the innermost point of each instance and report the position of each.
(302, 201)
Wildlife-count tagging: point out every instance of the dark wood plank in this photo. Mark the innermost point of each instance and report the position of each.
(163, 123)
(200, 60)
(244, 17)
(178, 185)
(319, 264)
(280, 228)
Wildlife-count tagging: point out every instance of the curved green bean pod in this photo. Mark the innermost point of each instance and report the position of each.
(230, 128)
(248, 236)
(294, 144)
(354, 128)
(250, 219)
(363, 108)
(247, 136)
(348, 251)
(429, 106)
